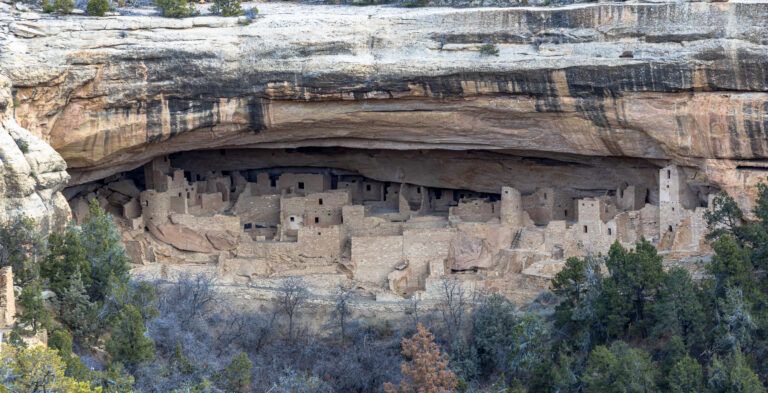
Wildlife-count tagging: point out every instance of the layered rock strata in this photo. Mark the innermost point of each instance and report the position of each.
(32, 174)
(682, 83)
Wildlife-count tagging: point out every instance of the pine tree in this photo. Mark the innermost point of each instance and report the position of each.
(106, 255)
(128, 341)
(238, 374)
(77, 311)
(34, 316)
(66, 255)
(427, 371)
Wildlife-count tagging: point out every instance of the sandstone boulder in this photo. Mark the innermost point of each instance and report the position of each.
(125, 187)
(223, 240)
(467, 252)
(183, 238)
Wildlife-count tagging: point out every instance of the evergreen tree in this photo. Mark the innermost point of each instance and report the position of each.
(238, 374)
(635, 279)
(65, 256)
(530, 346)
(106, 255)
(730, 266)
(128, 341)
(620, 369)
(557, 376)
(34, 316)
(78, 313)
(725, 217)
(579, 285)
(59, 6)
(674, 351)
(61, 341)
(227, 8)
(141, 295)
(678, 310)
(492, 334)
(735, 324)
(685, 376)
(20, 247)
(733, 375)
(464, 360)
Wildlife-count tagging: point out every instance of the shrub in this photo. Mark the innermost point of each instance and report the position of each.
(176, 8)
(489, 49)
(97, 7)
(251, 13)
(23, 145)
(416, 3)
(226, 8)
(59, 6)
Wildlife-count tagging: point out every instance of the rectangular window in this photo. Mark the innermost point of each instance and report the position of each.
(293, 219)
(301, 185)
(609, 232)
(248, 226)
(317, 220)
(367, 187)
(320, 201)
(585, 229)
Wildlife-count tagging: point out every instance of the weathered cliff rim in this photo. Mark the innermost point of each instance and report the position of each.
(679, 82)
(32, 174)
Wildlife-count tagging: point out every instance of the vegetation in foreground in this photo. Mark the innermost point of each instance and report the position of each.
(621, 323)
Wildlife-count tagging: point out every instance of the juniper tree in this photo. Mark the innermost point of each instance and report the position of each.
(34, 316)
(20, 247)
(128, 341)
(238, 374)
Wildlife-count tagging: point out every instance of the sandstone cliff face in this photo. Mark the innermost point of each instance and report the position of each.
(32, 174)
(685, 83)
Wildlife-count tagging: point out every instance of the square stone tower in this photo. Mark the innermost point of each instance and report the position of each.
(675, 197)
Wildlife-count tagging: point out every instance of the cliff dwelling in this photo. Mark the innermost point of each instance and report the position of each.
(246, 215)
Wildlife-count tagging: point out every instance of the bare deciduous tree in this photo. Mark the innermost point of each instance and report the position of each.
(453, 306)
(293, 293)
(341, 310)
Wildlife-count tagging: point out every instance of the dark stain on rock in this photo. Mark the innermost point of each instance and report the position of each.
(186, 115)
(154, 127)
(256, 115)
